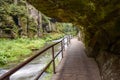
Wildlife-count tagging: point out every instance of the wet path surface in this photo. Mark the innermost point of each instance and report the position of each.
(76, 65)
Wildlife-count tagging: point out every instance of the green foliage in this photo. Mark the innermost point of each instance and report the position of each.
(17, 10)
(32, 25)
(49, 71)
(12, 9)
(12, 50)
(47, 76)
(7, 11)
(67, 28)
(52, 36)
(3, 2)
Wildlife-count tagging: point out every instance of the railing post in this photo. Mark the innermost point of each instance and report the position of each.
(67, 40)
(63, 42)
(53, 58)
(62, 48)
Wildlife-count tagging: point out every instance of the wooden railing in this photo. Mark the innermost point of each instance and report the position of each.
(7, 75)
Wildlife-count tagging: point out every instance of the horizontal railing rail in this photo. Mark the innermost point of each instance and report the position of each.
(7, 75)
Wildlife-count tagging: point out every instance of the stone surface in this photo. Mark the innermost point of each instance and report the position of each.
(109, 66)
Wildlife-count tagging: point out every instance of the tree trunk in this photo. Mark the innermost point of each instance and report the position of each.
(27, 25)
(39, 20)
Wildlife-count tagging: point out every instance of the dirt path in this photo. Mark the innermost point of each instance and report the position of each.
(76, 65)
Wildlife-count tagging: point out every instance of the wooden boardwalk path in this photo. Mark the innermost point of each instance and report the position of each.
(76, 65)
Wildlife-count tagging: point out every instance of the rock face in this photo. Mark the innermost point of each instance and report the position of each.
(21, 19)
(15, 21)
(109, 65)
(99, 21)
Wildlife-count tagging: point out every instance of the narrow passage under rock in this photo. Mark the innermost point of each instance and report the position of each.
(76, 65)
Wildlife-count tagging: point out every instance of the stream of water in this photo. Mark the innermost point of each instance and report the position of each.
(30, 71)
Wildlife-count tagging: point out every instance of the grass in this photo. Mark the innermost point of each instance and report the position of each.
(49, 71)
(53, 36)
(16, 50)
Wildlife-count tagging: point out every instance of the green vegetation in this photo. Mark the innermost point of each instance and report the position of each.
(67, 28)
(21, 20)
(17, 23)
(52, 36)
(11, 18)
(16, 50)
